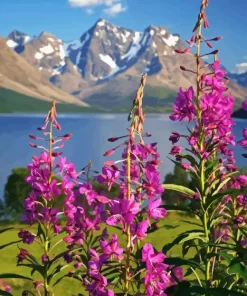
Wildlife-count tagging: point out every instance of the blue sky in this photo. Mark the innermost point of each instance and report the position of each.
(68, 19)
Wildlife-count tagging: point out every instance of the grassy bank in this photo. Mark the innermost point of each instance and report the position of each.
(173, 225)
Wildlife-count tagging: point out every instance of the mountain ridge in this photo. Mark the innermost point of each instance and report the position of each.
(107, 61)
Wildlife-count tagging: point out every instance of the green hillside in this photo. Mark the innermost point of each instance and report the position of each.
(13, 102)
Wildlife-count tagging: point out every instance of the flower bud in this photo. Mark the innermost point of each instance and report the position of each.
(178, 51)
(209, 44)
(55, 154)
(109, 152)
(109, 163)
(217, 38)
(44, 258)
(32, 145)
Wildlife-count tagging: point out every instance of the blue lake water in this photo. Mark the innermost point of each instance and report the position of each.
(89, 140)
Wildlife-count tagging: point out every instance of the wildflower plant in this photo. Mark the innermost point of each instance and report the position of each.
(41, 205)
(209, 161)
(105, 266)
(101, 238)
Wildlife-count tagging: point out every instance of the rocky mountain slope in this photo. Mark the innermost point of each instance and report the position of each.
(104, 65)
(19, 75)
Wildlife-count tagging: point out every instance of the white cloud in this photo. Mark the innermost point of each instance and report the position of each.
(111, 7)
(241, 68)
(88, 3)
(114, 9)
(89, 11)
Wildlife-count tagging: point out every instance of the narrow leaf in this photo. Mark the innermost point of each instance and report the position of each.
(179, 188)
(13, 276)
(5, 229)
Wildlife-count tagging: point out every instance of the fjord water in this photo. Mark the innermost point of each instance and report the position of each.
(89, 139)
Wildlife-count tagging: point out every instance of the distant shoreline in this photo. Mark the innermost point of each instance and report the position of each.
(80, 114)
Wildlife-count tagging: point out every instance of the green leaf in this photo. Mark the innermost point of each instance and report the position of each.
(14, 276)
(188, 235)
(9, 244)
(228, 257)
(41, 232)
(180, 262)
(187, 246)
(236, 267)
(5, 229)
(224, 292)
(59, 280)
(191, 159)
(4, 293)
(220, 195)
(211, 164)
(56, 270)
(192, 223)
(179, 188)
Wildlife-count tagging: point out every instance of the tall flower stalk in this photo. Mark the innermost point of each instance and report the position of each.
(136, 126)
(208, 160)
(41, 205)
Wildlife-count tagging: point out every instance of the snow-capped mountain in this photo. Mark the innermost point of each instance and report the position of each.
(106, 60)
(16, 38)
(240, 79)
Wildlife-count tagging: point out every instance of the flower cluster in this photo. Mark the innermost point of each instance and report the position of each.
(158, 275)
(133, 210)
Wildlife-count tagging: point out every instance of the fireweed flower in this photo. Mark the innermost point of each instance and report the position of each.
(26, 236)
(154, 211)
(244, 105)
(158, 276)
(123, 211)
(22, 255)
(50, 176)
(243, 142)
(174, 138)
(183, 107)
(108, 176)
(139, 230)
(111, 248)
(138, 180)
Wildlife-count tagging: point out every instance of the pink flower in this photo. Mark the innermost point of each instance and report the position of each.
(154, 211)
(112, 248)
(26, 236)
(152, 183)
(244, 105)
(139, 230)
(108, 176)
(176, 150)
(123, 211)
(183, 107)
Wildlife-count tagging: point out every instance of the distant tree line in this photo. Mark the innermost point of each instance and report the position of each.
(17, 189)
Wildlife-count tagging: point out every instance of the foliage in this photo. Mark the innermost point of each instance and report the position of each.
(16, 189)
(103, 241)
(178, 177)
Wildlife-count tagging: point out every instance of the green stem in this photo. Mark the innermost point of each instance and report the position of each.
(47, 237)
(201, 144)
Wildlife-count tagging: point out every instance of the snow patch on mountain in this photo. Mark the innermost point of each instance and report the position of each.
(78, 58)
(11, 43)
(48, 49)
(101, 23)
(27, 39)
(171, 40)
(135, 47)
(62, 53)
(108, 60)
(38, 55)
